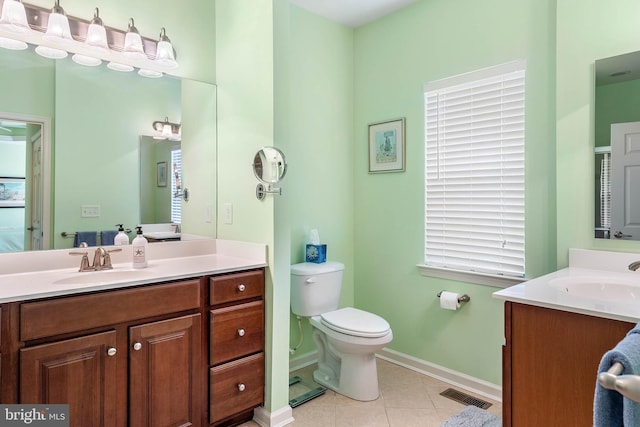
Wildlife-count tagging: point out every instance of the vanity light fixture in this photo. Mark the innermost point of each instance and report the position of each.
(167, 130)
(14, 19)
(58, 31)
(165, 57)
(91, 43)
(96, 40)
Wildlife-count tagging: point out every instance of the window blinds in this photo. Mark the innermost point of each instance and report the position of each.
(176, 192)
(474, 171)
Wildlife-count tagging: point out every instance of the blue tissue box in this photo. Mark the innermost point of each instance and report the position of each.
(316, 253)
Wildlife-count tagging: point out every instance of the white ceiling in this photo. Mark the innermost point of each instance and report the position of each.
(352, 13)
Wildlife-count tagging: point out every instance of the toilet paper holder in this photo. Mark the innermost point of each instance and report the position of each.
(463, 298)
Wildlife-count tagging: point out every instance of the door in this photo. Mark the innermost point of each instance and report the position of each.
(80, 372)
(36, 198)
(625, 180)
(165, 373)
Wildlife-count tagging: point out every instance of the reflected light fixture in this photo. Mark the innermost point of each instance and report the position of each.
(57, 31)
(167, 130)
(165, 56)
(14, 19)
(96, 40)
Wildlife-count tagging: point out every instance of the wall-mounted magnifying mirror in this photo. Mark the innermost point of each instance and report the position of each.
(269, 166)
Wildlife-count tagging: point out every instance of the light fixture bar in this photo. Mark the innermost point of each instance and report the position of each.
(37, 17)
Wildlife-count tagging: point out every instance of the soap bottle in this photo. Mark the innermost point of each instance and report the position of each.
(121, 238)
(139, 249)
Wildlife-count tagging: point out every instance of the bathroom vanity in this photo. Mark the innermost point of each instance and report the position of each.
(178, 343)
(557, 328)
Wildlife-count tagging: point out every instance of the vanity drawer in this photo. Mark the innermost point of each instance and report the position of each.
(70, 314)
(236, 287)
(236, 331)
(236, 386)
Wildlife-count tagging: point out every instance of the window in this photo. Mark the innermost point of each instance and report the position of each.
(176, 189)
(474, 172)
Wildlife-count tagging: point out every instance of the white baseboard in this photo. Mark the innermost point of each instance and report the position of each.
(455, 378)
(279, 418)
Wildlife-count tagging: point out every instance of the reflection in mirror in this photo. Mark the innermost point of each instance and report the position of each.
(160, 181)
(269, 165)
(617, 147)
(24, 215)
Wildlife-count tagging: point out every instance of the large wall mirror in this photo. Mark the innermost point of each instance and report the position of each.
(617, 147)
(94, 120)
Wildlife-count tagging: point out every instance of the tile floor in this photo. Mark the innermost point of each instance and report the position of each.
(407, 399)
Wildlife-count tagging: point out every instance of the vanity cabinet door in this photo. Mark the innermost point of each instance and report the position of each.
(80, 372)
(165, 373)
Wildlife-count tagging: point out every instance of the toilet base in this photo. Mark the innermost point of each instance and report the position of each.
(357, 377)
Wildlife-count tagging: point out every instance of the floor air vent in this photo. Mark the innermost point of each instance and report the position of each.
(464, 398)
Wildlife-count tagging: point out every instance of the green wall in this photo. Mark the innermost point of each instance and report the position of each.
(587, 30)
(394, 58)
(615, 103)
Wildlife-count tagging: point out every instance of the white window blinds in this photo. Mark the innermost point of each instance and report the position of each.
(474, 171)
(176, 191)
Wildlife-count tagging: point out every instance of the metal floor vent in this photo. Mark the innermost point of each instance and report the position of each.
(464, 398)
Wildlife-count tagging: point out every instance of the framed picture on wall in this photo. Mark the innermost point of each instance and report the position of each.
(162, 174)
(387, 146)
(12, 192)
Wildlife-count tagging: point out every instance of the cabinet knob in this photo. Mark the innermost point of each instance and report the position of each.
(241, 287)
(137, 346)
(112, 351)
(241, 332)
(241, 387)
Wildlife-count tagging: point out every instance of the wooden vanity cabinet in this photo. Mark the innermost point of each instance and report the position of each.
(236, 346)
(550, 364)
(141, 365)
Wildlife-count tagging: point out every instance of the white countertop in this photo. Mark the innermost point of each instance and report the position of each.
(166, 261)
(589, 267)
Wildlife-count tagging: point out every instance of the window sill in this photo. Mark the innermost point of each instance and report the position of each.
(470, 277)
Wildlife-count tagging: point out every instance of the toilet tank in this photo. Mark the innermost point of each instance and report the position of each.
(315, 288)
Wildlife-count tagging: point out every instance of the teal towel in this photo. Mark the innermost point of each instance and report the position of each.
(610, 408)
(89, 237)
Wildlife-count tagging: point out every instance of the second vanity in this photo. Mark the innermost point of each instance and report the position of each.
(178, 343)
(557, 328)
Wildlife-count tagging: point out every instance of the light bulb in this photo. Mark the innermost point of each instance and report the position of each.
(14, 17)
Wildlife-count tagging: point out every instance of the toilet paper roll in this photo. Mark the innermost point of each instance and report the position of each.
(449, 300)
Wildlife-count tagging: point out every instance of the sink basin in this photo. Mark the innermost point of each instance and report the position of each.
(106, 276)
(599, 288)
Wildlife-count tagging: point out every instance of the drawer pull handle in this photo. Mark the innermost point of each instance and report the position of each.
(137, 346)
(241, 387)
(241, 332)
(112, 351)
(241, 287)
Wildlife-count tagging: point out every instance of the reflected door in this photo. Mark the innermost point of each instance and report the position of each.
(35, 229)
(625, 180)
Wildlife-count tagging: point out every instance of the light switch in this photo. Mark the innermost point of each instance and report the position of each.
(90, 211)
(208, 212)
(228, 213)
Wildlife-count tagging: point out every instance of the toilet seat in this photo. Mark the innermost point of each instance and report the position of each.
(359, 323)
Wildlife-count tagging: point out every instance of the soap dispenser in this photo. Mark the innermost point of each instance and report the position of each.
(121, 238)
(139, 249)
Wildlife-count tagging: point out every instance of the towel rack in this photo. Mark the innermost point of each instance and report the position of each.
(65, 234)
(626, 385)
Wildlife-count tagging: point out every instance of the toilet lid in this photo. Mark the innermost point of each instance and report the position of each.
(352, 321)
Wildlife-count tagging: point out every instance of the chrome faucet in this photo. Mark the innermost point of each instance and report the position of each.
(634, 265)
(101, 259)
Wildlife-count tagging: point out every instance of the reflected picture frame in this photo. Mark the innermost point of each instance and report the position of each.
(161, 179)
(12, 192)
(387, 146)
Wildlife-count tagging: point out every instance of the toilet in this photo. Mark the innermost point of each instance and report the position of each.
(346, 338)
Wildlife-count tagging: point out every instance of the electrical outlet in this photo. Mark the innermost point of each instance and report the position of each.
(90, 211)
(228, 213)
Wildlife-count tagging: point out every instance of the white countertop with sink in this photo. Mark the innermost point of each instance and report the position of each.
(39, 274)
(596, 283)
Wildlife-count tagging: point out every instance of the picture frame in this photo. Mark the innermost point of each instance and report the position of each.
(387, 146)
(12, 192)
(161, 174)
